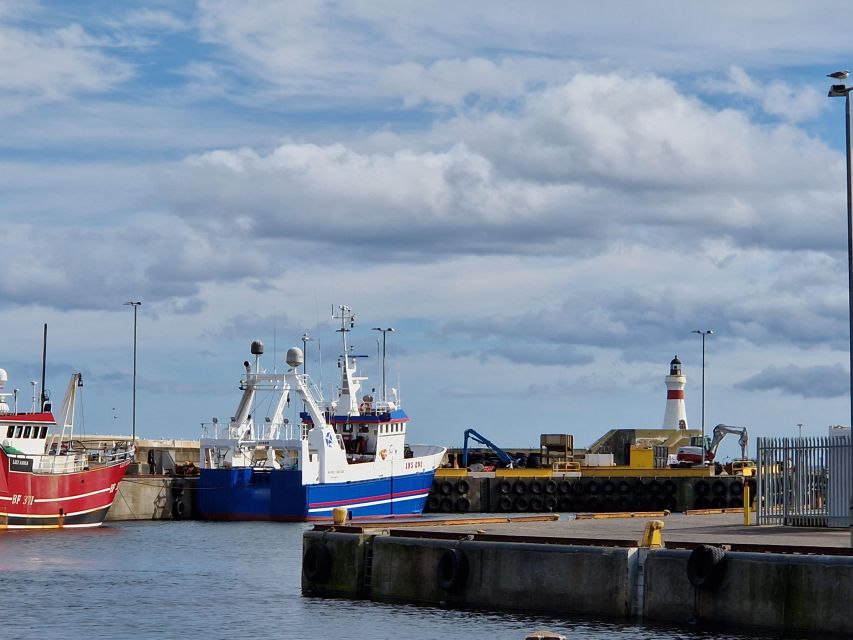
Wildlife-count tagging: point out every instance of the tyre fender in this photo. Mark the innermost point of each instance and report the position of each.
(317, 563)
(706, 567)
(452, 570)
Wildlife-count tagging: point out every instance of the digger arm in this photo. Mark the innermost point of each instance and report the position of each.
(722, 430)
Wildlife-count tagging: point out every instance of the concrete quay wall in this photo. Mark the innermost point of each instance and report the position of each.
(532, 493)
(151, 497)
(779, 592)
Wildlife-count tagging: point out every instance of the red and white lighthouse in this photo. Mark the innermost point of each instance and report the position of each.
(675, 416)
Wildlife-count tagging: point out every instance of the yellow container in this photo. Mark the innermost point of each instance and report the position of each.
(642, 458)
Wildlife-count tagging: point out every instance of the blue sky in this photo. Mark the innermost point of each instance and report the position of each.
(543, 203)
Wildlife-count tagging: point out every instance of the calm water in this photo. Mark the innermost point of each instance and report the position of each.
(187, 580)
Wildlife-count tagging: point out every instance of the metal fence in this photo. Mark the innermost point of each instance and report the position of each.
(804, 482)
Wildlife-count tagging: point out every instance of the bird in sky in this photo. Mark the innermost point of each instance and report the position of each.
(838, 75)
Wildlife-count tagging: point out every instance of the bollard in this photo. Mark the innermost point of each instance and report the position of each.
(339, 515)
(745, 502)
(652, 537)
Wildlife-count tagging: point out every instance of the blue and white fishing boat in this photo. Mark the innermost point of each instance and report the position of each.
(347, 452)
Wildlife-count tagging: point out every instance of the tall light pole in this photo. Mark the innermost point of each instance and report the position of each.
(384, 334)
(704, 333)
(837, 91)
(305, 340)
(135, 306)
(800, 427)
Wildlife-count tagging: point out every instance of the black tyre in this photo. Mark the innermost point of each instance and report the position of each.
(537, 504)
(550, 503)
(536, 487)
(463, 505)
(718, 488)
(446, 505)
(519, 487)
(607, 488)
(577, 488)
(565, 487)
(670, 488)
(446, 488)
(317, 563)
(565, 505)
(433, 503)
(706, 567)
(521, 503)
(654, 488)
(453, 570)
(462, 486)
(550, 487)
(701, 488)
(592, 488)
(505, 504)
(702, 502)
(505, 487)
(623, 488)
(736, 488)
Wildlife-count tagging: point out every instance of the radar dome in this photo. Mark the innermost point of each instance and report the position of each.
(257, 348)
(294, 357)
(4, 377)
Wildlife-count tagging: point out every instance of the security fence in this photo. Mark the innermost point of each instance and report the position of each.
(804, 482)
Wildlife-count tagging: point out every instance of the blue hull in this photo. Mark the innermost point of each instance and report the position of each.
(252, 494)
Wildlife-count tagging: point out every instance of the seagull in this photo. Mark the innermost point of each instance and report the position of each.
(838, 75)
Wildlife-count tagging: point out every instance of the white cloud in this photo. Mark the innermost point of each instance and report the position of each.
(775, 98)
(54, 65)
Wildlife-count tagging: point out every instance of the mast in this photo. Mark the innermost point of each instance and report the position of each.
(43, 366)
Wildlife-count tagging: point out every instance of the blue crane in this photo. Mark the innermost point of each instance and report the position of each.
(503, 456)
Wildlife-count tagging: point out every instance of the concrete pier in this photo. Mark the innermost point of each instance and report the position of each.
(153, 497)
(772, 578)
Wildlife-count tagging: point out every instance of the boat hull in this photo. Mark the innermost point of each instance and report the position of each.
(256, 494)
(31, 500)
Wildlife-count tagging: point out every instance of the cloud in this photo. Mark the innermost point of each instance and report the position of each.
(823, 381)
(775, 98)
(52, 65)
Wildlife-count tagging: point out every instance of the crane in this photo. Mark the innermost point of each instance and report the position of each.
(503, 456)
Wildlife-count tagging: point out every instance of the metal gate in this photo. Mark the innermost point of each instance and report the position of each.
(804, 482)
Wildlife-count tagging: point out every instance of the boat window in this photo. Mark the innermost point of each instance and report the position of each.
(18, 429)
(10, 431)
(27, 430)
(43, 433)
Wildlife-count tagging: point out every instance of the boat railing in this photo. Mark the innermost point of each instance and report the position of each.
(71, 456)
(313, 390)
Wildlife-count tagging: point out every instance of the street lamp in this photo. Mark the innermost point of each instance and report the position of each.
(800, 427)
(384, 334)
(838, 91)
(704, 334)
(305, 340)
(135, 306)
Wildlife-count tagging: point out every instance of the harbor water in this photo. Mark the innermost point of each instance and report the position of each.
(177, 580)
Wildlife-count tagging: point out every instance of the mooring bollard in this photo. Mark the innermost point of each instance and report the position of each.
(339, 515)
(652, 537)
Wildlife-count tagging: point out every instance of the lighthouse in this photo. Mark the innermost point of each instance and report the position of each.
(675, 416)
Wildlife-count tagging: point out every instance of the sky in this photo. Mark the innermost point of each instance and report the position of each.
(544, 201)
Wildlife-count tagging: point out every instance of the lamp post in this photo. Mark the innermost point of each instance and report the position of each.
(384, 334)
(704, 333)
(800, 427)
(305, 340)
(135, 306)
(838, 91)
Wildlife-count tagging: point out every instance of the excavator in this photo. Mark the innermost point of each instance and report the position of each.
(700, 453)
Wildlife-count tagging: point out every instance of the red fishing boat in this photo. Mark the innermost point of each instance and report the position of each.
(48, 479)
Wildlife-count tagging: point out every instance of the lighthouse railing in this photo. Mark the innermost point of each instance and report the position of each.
(804, 481)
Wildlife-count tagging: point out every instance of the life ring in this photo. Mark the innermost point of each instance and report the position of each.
(706, 567)
(383, 453)
(452, 570)
(317, 563)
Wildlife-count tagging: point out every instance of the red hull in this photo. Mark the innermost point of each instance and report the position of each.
(30, 500)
